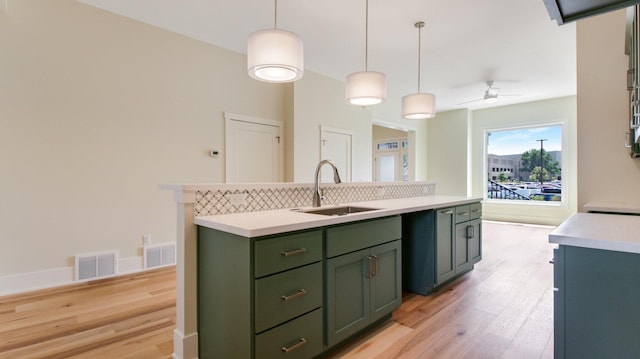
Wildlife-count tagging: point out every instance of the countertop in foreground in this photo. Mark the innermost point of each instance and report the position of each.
(614, 232)
(262, 223)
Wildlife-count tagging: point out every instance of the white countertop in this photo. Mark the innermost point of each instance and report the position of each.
(614, 232)
(255, 224)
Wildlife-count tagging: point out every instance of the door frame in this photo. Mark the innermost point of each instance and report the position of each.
(230, 116)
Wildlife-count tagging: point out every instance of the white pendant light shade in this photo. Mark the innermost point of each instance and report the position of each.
(419, 106)
(366, 88)
(275, 56)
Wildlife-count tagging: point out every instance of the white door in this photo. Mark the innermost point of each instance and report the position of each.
(253, 149)
(387, 166)
(335, 145)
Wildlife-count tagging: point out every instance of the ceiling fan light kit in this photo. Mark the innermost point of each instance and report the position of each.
(367, 87)
(419, 106)
(490, 94)
(275, 55)
(490, 98)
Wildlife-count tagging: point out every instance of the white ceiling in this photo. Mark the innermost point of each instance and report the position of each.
(464, 42)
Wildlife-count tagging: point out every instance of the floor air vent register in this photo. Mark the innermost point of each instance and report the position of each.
(96, 265)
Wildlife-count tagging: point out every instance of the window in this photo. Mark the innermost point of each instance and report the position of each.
(530, 161)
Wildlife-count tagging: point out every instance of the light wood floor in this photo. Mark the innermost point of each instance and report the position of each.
(502, 309)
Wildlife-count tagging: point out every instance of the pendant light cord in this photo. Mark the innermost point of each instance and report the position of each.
(366, 37)
(419, 25)
(275, 16)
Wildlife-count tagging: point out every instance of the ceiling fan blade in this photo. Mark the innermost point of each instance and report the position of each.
(466, 102)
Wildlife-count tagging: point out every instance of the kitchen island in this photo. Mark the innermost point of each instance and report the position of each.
(596, 286)
(288, 281)
(255, 211)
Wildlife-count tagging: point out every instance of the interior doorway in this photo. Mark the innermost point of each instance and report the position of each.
(393, 154)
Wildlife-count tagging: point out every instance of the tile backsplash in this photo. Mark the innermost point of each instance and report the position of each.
(224, 199)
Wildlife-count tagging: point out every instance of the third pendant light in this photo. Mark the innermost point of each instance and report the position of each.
(419, 106)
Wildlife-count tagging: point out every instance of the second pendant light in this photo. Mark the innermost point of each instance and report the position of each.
(366, 88)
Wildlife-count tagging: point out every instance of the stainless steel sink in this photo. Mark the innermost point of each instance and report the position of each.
(339, 211)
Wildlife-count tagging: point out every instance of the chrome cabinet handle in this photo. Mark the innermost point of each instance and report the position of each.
(301, 342)
(447, 212)
(298, 294)
(293, 252)
(463, 213)
(475, 210)
(375, 261)
(470, 232)
(369, 271)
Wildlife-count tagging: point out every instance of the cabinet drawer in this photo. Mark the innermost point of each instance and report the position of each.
(352, 237)
(277, 254)
(475, 210)
(462, 214)
(287, 295)
(299, 339)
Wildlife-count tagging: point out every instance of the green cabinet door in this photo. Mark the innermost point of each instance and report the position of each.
(347, 295)
(362, 287)
(468, 245)
(386, 279)
(475, 242)
(462, 259)
(445, 260)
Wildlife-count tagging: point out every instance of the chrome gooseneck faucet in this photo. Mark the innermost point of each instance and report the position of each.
(317, 198)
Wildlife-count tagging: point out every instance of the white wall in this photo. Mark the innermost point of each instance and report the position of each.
(562, 111)
(319, 101)
(447, 152)
(96, 110)
(606, 172)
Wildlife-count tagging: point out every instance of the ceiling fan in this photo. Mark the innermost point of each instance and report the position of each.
(490, 94)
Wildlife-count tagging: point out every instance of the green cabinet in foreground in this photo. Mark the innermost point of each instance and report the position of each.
(268, 297)
(596, 303)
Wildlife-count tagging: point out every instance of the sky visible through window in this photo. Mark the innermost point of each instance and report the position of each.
(517, 141)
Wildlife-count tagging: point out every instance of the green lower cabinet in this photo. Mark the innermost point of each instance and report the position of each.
(267, 297)
(362, 287)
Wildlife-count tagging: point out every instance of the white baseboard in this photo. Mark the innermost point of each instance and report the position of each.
(24, 282)
(185, 346)
(49, 278)
(130, 265)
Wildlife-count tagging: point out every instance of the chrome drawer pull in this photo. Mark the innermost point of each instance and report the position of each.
(475, 210)
(447, 212)
(463, 214)
(302, 342)
(294, 252)
(300, 293)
